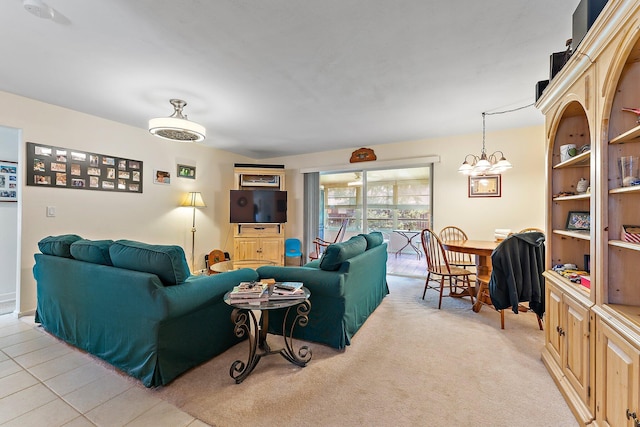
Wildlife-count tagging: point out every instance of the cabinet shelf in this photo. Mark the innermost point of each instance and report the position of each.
(633, 189)
(579, 161)
(626, 245)
(631, 313)
(584, 196)
(583, 235)
(581, 291)
(632, 135)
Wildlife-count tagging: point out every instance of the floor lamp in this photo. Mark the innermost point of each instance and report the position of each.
(193, 200)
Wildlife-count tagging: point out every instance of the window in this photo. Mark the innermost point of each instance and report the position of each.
(390, 200)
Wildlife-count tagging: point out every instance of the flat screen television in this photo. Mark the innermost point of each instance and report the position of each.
(258, 206)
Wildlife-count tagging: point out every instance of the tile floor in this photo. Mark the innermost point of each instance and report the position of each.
(44, 382)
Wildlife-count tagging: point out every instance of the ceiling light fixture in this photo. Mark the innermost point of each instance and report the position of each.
(357, 182)
(484, 164)
(38, 8)
(176, 127)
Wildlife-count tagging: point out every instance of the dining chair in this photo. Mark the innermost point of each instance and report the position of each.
(522, 267)
(319, 243)
(458, 259)
(531, 230)
(438, 265)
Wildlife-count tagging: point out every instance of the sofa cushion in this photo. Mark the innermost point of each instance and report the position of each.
(373, 239)
(166, 261)
(337, 253)
(93, 251)
(58, 245)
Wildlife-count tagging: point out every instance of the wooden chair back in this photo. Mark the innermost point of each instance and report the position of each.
(530, 230)
(215, 256)
(437, 262)
(456, 258)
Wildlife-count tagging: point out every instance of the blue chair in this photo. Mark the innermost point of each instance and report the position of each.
(293, 250)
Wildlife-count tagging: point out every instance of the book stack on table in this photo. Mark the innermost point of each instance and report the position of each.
(250, 292)
(287, 290)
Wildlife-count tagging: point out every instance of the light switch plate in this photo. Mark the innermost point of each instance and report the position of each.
(51, 211)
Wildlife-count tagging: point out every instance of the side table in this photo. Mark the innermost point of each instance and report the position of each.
(246, 323)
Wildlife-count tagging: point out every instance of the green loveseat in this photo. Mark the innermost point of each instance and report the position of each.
(133, 305)
(347, 284)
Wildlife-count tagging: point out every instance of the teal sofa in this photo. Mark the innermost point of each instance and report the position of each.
(347, 284)
(134, 305)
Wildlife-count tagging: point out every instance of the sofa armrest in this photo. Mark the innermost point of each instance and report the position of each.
(202, 290)
(319, 282)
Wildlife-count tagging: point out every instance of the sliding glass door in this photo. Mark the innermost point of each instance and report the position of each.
(375, 200)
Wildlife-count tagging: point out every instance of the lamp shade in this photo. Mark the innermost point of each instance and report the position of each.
(175, 129)
(193, 199)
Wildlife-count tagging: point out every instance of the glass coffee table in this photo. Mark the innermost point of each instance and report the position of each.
(246, 323)
(230, 265)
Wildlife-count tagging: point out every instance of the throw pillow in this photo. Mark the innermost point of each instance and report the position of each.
(337, 253)
(94, 251)
(166, 261)
(373, 239)
(58, 245)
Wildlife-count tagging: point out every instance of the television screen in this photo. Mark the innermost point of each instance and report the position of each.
(258, 206)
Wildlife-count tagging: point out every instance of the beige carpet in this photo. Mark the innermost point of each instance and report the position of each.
(409, 365)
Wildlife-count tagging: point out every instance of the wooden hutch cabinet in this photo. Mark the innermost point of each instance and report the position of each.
(592, 337)
(256, 244)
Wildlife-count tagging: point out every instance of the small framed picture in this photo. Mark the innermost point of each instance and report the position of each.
(578, 221)
(185, 171)
(161, 177)
(8, 181)
(485, 186)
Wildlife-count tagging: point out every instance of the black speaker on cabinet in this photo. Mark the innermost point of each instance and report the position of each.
(583, 18)
(540, 87)
(557, 61)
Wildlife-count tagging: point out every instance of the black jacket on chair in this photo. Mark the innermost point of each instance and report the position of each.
(518, 263)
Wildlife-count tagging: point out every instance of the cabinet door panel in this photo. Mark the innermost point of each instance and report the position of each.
(246, 249)
(272, 250)
(576, 326)
(617, 367)
(553, 310)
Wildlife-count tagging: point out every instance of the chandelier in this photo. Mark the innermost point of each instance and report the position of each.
(484, 164)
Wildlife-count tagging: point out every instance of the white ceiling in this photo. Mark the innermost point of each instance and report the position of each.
(278, 77)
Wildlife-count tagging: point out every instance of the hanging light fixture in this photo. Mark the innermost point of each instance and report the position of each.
(176, 127)
(485, 164)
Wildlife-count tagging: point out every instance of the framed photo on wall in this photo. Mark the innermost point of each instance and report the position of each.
(161, 177)
(185, 171)
(8, 181)
(485, 186)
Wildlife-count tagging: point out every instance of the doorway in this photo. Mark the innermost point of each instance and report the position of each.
(385, 200)
(9, 217)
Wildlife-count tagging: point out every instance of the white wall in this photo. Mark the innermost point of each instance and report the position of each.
(9, 142)
(152, 217)
(522, 201)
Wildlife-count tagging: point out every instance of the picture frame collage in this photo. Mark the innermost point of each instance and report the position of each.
(8, 181)
(58, 167)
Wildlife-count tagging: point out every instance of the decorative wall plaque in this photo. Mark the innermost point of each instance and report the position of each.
(362, 155)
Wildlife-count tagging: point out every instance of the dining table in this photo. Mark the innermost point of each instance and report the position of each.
(482, 249)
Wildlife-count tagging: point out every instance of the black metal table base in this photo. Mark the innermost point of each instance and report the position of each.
(245, 319)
